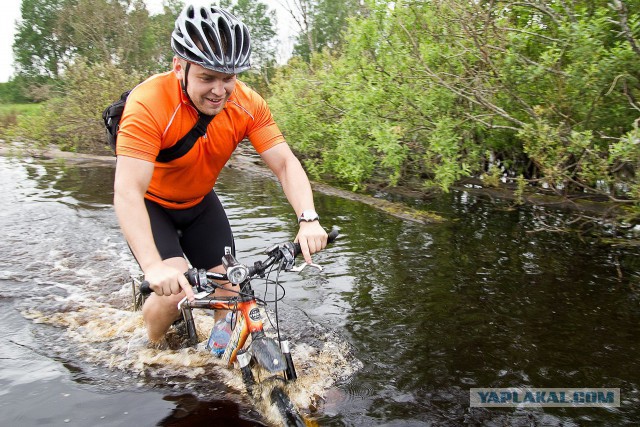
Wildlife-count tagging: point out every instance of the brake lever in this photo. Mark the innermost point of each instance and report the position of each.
(197, 296)
(303, 265)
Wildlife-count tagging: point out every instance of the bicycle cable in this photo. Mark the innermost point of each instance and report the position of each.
(259, 301)
(277, 284)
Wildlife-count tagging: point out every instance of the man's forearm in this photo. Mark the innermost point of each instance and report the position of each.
(292, 177)
(297, 188)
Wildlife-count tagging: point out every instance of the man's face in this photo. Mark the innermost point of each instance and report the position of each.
(209, 90)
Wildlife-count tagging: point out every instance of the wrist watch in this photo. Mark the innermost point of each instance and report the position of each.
(308, 216)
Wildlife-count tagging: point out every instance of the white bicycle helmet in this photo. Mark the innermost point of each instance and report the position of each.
(212, 38)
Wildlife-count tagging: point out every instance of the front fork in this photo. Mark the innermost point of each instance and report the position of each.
(290, 372)
(243, 357)
(187, 315)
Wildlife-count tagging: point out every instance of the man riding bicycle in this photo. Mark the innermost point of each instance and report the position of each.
(169, 211)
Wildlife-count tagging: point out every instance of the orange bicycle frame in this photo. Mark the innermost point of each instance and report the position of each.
(247, 319)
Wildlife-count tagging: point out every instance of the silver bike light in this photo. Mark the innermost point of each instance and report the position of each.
(236, 272)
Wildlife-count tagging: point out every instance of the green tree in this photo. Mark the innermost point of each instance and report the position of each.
(161, 28)
(261, 22)
(37, 50)
(130, 38)
(53, 34)
(321, 24)
(262, 28)
(12, 92)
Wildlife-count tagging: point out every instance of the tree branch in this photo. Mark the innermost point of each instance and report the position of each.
(623, 15)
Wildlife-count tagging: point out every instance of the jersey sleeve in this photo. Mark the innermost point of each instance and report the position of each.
(264, 132)
(139, 136)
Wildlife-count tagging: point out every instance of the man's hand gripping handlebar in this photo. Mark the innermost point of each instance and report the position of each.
(287, 252)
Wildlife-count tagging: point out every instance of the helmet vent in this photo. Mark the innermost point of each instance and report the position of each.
(190, 12)
(192, 31)
(212, 51)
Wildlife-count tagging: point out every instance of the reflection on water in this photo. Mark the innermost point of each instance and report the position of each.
(402, 322)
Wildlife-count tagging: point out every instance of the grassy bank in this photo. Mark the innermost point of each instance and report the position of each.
(9, 114)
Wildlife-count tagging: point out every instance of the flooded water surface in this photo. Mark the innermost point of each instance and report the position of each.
(404, 320)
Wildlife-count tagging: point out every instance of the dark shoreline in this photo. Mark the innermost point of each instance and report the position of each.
(396, 201)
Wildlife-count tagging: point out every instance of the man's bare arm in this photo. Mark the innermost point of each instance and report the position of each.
(295, 184)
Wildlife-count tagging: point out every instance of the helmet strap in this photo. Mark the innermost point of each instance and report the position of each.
(183, 83)
(184, 79)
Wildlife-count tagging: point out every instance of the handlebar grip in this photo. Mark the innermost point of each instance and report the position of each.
(145, 288)
(191, 275)
(331, 237)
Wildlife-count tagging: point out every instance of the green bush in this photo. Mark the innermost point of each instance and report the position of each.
(427, 93)
(72, 120)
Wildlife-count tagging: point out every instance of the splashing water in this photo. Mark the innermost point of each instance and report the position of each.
(115, 338)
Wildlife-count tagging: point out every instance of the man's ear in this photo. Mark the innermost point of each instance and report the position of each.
(178, 69)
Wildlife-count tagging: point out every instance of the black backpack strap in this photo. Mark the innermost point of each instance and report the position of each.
(187, 142)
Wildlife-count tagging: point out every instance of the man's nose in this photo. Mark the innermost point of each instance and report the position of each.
(218, 88)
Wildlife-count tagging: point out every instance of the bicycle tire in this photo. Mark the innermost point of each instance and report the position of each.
(287, 409)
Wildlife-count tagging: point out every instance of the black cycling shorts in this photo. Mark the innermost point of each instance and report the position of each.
(200, 233)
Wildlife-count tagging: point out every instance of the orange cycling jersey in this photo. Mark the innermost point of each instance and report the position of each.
(158, 114)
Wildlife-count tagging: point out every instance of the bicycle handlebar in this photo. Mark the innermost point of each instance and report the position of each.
(275, 253)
